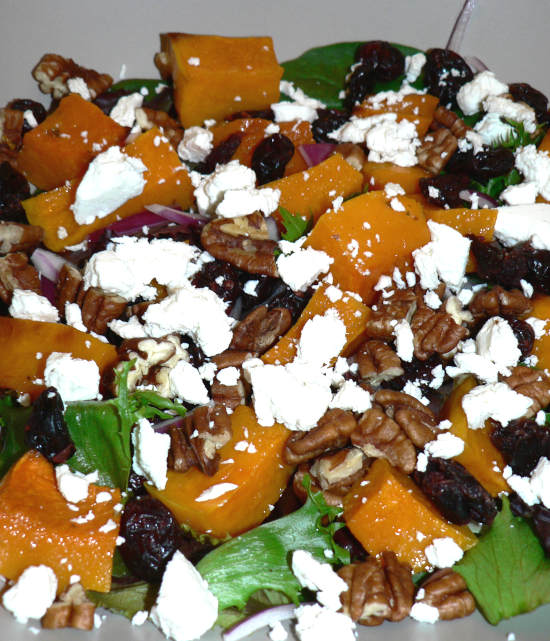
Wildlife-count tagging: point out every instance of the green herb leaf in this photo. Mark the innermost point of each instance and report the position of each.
(260, 558)
(127, 600)
(495, 186)
(507, 571)
(295, 225)
(321, 72)
(13, 419)
(151, 85)
(519, 137)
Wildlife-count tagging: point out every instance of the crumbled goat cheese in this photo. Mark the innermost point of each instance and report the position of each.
(188, 618)
(75, 379)
(318, 577)
(469, 363)
(523, 194)
(277, 632)
(228, 376)
(288, 111)
(414, 65)
(74, 486)
(497, 342)
(538, 326)
(471, 95)
(140, 617)
(315, 623)
(124, 112)
(30, 305)
(112, 178)
(30, 118)
(300, 268)
(79, 86)
(131, 328)
(298, 95)
(536, 487)
(150, 453)
(322, 339)
(432, 300)
(186, 383)
(524, 223)
(251, 287)
(494, 400)
(443, 553)
(516, 111)
(196, 144)
(534, 165)
(215, 491)
(446, 445)
(33, 593)
(352, 397)
(424, 613)
(404, 340)
(393, 189)
(73, 317)
(493, 130)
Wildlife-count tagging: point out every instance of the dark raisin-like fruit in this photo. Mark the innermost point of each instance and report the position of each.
(345, 539)
(13, 189)
(540, 516)
(46, 430)
(388, 61)
(264, 287)
(444, 190)
(108, 99)
(222, 278)
(524, 334)
(416, 371)
(456, 493)
(271, 157)
(523, 92)
(359, 83)
(293, 301)
(192, 549)
(444, 73)
(538, 275)
(484, 165)
(266, 114)
(196, 356)
(221, 154)
(24, 104)
(327, 120)
(136, 484)
(521, 444)
(500, 265)
(151, 534)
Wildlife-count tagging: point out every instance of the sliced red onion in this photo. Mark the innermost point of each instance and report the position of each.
(259, 621)
(47, 263)
(314, 154)
(457, 34)
(177, 216)
(164, 426)
(48, 289)
(475, 64)
(483, 201)
(273, 229)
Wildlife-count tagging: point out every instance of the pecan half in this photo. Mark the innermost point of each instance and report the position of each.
(148, 118)
(69, 281)
(378, 362)
(532, 383)
(353, 154)
(436, 150)
(379, 589)
(71, 610)
(435, 333)
(54, 71)
(417, 420)
(242, 241)
(15, 237)
(388, 311)
(444, 117)
(331, 432)
(16, 273)
(99, 308)
(260, 329)
(11, 128)
(446, 590)
(498, 301)
(231, 358)
(229, 395)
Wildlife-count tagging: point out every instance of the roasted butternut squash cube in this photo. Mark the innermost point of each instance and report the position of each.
(216, 76)
(379, 174)
(417, 108)
(479, 222)
(61, 147)
(387, 511)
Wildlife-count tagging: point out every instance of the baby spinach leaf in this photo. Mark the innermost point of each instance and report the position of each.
(13, 419)
(495, 186)
(138, 85)
(507, 571)
(321, 72)
(295, 225)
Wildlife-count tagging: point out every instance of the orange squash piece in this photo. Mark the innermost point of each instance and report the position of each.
(480, 457)
(387, 511)
(25, 346)
(252, 461)
(368, 238)
(479, 222)
(312, 191)
(215, 76)
(167, 183)
(545, 143)
(379, 174)
(61, 147)
(38, 527)
(541, 347)
(417, 108)
(351, 311)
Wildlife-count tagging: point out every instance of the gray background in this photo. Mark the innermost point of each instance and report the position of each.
(510, 37)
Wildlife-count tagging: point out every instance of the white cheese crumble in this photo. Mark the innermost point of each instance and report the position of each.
(186, 383)
(494, 400)
(318, 577)
(534, 488)
(228, 376)
(124, 112)
(471, 95)
(184, 619)
(79, 86)
(298, 267)
(112, 178)
(516, 111)
(196, 144)
(446, 445)
(493, 130)
(75, 379)
(497, 342)
(32, 594)
(534, 165)
(538, 326)
(322, 339)
(31, 306)
(414, 65)
(315, 623)
(524, 223)
(74, 486)
(424, 613)
(150, 453)
(404, 340)
(277, 632)
(443, 552)
(351, 396)
(523, 194)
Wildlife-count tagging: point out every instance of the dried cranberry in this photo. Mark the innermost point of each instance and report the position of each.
(456, 493)
(444, 190)
(221, 154)
(521, 444)
(524, 334)
(136, 484)
(263, 287)
(415, 371)
(541, 524)
(24, 104)
(345, 539)
(196, 355)
(108, 99)
(359, 83)
(266, 114)
(523, 92)
(484, 165)
(387, 60)
(293, 301)
(538, 261)
(327, 120)
(13, 189)
(518, 507)
(163, 101)
(222, 278)
(192, 549)
(151, 534)
(271, 157)
(444, 73)
(46, 430)
(500, 265)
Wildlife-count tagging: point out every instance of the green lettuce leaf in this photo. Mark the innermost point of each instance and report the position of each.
(295, 225)
(13, 419)
(495, 186)
(126, 600)
(507, 571)
(321, 72)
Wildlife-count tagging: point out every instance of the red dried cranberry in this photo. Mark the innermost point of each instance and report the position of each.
(266, 114)
(136, 484)
(500, 265)
(359, 83)
(456, 493)
(46, 430)
(444, 190)
(192, 549)
(388, 61)
(24, 104)
(108, 99)
(151, 534)
(415, 371)
(345, 539)
(538, 261)
(196, 355)
(523, 92)
(484, 165)
(264, 287)
(222, 278)
(13, 189)
(293, 301)
(521, 444)
(271, 157)
(221, 154)
(524, 334)
(541, 524)
(444, 73)
(327, 121)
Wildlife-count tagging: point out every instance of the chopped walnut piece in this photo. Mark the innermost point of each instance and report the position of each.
(417, 420)
(379, 589)
(260, 329)
(16, 273)
(12, 122)
(99, 308)
(242, 241)
(353, 154)
(388, 311)
(378, 362)
(15, 237)
(71, 610)
(444, 117)
(435, 333)
(532, 383)
(436, 150)
(53, 72)
(171, 128)
(69, 282)
(446, 590)
(498, 301)
(204, 432)
(453, 306)
(331, 432)
(229, 395)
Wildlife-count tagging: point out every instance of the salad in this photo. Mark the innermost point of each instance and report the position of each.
(274, 342)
